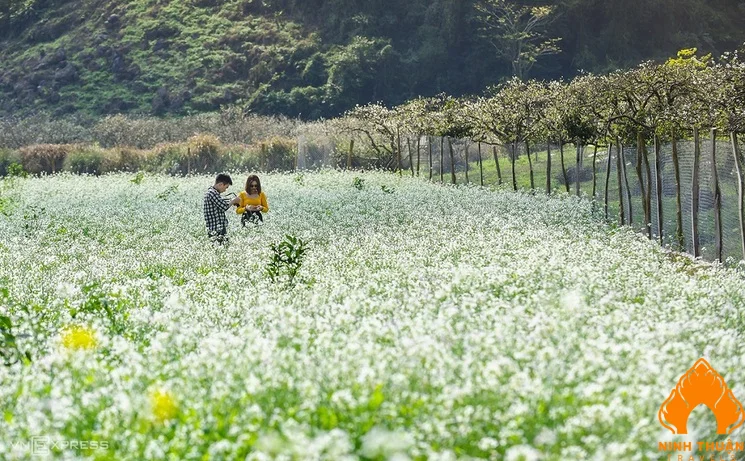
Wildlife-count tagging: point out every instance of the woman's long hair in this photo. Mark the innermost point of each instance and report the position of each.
(253, 178)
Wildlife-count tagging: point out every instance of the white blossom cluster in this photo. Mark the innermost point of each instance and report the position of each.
(426, 322)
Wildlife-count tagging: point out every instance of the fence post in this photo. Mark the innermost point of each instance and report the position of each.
(658, 188)
(640, 175)
(607, 177)
(740, 189)
(418, 153)
(621, 207)
(398, 152)
(717, 197)
(481, 166)
(563, 166)
(514, 155)
(648, 170)
(548, 168)
(695, 194)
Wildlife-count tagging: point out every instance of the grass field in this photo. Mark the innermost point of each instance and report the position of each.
(426, 322)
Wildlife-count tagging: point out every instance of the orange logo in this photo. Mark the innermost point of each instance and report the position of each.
(701, 384)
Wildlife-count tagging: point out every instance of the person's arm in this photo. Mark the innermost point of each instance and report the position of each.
(219, 202)
(264, 204)
(241, 207)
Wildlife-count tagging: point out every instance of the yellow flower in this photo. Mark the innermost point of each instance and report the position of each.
(163, 404)
(78, 337)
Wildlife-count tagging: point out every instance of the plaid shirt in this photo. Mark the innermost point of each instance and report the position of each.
(214, 210)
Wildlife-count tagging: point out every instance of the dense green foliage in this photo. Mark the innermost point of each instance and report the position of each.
(310, 58)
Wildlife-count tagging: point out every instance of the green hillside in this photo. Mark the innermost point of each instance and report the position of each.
(309, 59)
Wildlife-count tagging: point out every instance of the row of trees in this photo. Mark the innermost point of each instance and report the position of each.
(644, 106)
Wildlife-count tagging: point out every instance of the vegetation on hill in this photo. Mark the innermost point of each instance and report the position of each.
(310, 59)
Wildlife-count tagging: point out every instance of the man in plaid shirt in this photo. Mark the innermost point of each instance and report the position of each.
(215, 207)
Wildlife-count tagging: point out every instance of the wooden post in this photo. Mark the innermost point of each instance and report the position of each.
(481, 166)
(621, 208)
(740, 189)
(607, 177)
(625, 176)
(594, 169)
(717, 197)
(678, 199)
(530, 164)
(577, 160)
(188, 161)
(496, 162)
(429, 141)
(695, 194)
(658, 188)
(349, 155)
(548, 168)
(465, 146)
(452, 161)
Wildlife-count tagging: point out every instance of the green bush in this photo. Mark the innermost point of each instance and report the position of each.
(7, 158)
(277, 153)
(240, 157)
(91, 160)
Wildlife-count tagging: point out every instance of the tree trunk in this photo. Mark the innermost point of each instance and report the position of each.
(578, 161)
(530, 164)
(452, 160)
(349, 155)
(411, 160)
(442, 157)
(465, 146)
(563, 166)
(607, 178)
(548, 168)
(695, 189)
(481, 166)
(594, 170)
(625, 176)
(496, 162)
(398, 152)
(678, 199)
(740, 189)
(717, 197)
(621, 207)
(514, 177)
(648, 171)
(640, 174)
(658, 188)
(429, 141)
(418, 152)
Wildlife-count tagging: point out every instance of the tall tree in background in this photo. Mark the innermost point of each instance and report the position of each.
(517, 32)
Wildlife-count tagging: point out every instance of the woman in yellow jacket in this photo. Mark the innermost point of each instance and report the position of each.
(252, 201)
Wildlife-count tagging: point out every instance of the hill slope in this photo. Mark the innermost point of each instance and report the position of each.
(308, 58)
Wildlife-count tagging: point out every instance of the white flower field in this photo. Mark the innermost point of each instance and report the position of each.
(426, 322)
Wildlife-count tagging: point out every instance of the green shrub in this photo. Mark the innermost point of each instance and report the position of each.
(131, 159)
(277, 153)
(91, 160)
(204, 153)
(240, 157)
(44, 158)
(7, 158)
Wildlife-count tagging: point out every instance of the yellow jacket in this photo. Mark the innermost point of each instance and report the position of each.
(246, 201)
